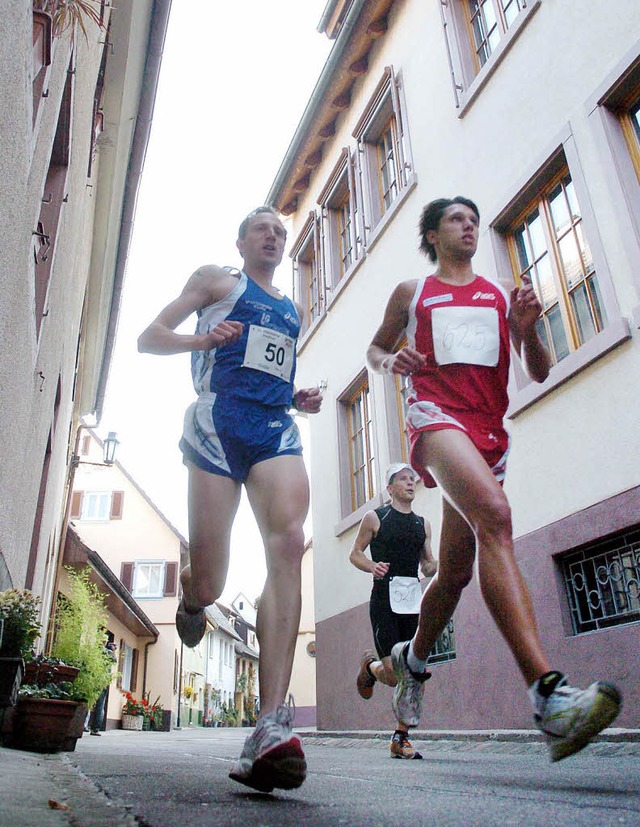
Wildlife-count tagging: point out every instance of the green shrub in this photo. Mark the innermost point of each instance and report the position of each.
(80, 636)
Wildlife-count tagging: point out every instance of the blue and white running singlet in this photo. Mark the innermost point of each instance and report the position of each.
(245, 388)
(260, 366)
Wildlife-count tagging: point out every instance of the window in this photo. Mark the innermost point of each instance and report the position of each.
(444, 649)
(97, 505)
(385, 158)
(548, 246)
(148, 580)
(309, 288)
(127, 667)
(53, 196)
(488, 22)
(478, 33)
(341, 234)
(602, 582)
(356, 408)
(629, 114)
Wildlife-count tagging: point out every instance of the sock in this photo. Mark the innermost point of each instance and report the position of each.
(413, 662)
(543, 688)
(367, 669)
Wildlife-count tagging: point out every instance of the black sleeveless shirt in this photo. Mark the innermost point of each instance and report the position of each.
(399, 542)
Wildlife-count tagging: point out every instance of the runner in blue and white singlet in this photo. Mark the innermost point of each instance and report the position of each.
(244, 388)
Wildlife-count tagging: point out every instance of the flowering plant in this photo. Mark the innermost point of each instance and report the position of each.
(132, 706)
(154, 711)
(19, 608)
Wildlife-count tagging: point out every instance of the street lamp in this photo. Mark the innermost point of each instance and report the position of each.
(108, 453)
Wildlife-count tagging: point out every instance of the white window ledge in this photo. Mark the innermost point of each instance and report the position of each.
(611, 337)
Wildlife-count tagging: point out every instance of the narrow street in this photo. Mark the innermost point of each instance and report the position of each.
(180, 778)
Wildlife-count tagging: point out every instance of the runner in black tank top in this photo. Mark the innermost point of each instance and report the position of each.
(400, 545)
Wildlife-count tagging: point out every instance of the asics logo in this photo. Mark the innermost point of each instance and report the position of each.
(484, 296)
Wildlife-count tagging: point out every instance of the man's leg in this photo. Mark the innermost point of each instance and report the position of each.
(213, 502)
(279, 495)
(278, 491)
(470, 487)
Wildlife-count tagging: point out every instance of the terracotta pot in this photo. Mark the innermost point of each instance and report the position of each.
(11, 670)
(43, 673)
(42, 724)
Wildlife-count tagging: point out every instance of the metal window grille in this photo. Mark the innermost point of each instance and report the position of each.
(444, 648)
(603, 583)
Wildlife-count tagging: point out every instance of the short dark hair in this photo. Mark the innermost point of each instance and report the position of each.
(430, 220)
(242, 229)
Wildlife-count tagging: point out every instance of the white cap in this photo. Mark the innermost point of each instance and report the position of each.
(395, 468)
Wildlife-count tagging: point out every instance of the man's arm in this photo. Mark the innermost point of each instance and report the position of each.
(523, 315)
(207, 285)
(306, 400)
(380, 355)
(428, 563)
(366, 532)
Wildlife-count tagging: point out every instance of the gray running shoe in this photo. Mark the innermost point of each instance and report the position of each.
(571, 717)
(191, 626)
(407, 696)
(272, 755)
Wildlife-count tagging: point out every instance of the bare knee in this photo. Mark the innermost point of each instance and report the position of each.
(286, 547)
(493, 526)
(201, 591)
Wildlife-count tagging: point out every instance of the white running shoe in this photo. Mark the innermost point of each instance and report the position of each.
(571, 717)
(407, 696)
(272, 755)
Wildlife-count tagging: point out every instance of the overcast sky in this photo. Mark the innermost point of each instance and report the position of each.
(234, 82)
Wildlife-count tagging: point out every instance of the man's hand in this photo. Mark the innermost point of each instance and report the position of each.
(222, 334)
(308, 400)
(379, 570)
(525, 307)
(405, 361)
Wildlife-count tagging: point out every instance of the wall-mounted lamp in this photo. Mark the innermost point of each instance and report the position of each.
(109, 453)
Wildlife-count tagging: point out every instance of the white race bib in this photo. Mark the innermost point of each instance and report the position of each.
(269, 351)
(405, 595)
(467, 335)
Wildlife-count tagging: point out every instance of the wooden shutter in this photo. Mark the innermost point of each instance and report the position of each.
(126, 575)
(76, 505)
(86, 444)
(134, 670)
(117, 498)
(170, 579)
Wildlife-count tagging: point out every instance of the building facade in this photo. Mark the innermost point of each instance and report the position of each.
(532, 110)
(76, 113)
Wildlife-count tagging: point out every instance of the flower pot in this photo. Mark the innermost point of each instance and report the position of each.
(43, 673)
(42, 35)
(10, 679)
(76, 728)
(132, 721)
(42, 724)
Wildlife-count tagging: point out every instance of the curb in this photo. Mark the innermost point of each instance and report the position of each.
(524, 736)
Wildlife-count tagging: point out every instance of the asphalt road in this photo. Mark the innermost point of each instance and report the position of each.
(180, 778)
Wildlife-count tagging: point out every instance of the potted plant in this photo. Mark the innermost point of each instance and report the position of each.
(80, 636)
(67, 14)
(42, 670)
(43, 717)
(19, 611)
(133, 712)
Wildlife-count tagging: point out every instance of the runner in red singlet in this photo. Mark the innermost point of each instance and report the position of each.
(459, 327)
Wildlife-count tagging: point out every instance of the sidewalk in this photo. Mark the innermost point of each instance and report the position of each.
(33, 785)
